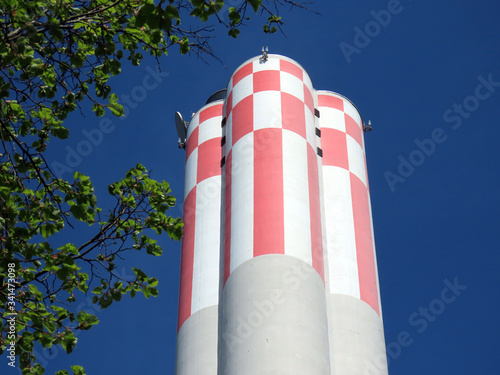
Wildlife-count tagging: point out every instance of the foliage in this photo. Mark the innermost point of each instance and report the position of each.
(49, 279)
(56, 55)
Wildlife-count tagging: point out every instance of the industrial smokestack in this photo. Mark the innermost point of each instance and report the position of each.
(199, 285)
(355, 319)
(278, 272)
(274, 316)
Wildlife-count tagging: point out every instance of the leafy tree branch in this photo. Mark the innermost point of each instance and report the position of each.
(56, 57)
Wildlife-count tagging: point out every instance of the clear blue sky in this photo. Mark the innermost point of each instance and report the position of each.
(435, 206)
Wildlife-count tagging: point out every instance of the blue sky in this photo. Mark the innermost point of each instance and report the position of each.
(429, 80)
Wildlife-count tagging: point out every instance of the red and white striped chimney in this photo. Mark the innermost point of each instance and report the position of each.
(355, 320)
(199, 285)
(278, 272)
(273, 303)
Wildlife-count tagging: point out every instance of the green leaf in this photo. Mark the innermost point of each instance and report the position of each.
(172, 12)
(68, 341)
(69, 248)
(78, 370)
(4, 192)
(34, 290)
(49, 77)
(255, 4)
(139, 274)
(63, 273)
(145, 13)
(62, 313)
(60, 132)
(48, 230)
(79, 212)
(117, 295)
(86, 320)
(98, 109)
(233, 32)
(198, 3)
(116, 108)
(26, 342)
(154, 249)
(184, 44)
(46, 340)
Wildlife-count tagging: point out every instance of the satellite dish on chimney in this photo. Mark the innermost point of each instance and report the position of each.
(181, 126)
(367, 128)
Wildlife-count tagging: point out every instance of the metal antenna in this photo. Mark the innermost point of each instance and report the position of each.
(368, 128)
(265, 50)
(181, 126)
